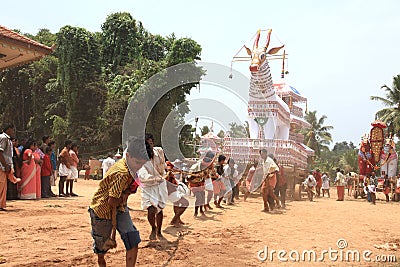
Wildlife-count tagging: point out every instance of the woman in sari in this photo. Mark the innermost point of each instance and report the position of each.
(37, 156)
(27, 186)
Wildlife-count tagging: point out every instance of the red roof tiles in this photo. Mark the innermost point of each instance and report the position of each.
(19, 39)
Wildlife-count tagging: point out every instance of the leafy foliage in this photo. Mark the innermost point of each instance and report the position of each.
(186, 141)
(40, 73)
(16, 98)
(182, 51)
(317, 136)
(221, 134)
(120, 40)
(349, 161)
(238, 131)
(79, 75)
(391, 114)
(204, 130)
(343, 156)
(82, 90)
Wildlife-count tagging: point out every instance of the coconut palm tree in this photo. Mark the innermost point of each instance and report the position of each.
(349, 161)
(391, 114)
(317, 136)
(238, 131)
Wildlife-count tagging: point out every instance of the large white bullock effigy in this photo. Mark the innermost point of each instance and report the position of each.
(274, 115)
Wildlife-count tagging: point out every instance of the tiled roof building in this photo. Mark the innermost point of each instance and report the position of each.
(17, 49)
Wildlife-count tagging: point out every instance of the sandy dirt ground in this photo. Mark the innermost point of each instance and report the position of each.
(56, 232)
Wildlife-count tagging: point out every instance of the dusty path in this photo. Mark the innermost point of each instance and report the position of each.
(56, 232)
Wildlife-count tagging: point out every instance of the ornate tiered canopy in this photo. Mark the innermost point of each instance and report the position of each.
(285, 90)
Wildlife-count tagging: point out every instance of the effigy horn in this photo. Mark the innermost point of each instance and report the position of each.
(256, 40)
(268, 38)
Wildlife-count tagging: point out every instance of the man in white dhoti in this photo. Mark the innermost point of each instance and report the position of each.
(154, 187)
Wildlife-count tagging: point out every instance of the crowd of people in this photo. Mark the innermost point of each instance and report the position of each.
(214, 180)
(35, 167)
(145, 165)
(368, 184)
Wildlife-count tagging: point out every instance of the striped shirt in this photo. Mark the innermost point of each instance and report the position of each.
(201, 172)
(117, 180)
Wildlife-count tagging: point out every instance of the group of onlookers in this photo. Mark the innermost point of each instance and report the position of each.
(370, 186)
(319, 181)
(68, 169)
(33, 166)
(368, 183)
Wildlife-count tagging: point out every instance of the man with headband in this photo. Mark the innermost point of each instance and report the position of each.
(112, 194)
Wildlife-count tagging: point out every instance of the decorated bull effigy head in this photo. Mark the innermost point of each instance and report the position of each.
(365, 156)
(377, 152)
(389, 145)
(389, 158)
(364, 145)
(259, 54)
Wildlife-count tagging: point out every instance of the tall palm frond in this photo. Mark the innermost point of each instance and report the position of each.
(391, 114)
(317, 136)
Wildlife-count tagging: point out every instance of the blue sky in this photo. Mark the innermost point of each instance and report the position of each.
(340, 52)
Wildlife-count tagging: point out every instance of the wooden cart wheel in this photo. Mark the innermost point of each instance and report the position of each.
(355, 194)
(297, 192)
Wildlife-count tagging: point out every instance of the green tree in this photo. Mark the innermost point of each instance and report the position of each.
(79, 75)
(343, 156)
(327, 162)
(238, 131)
(342, 147)
(204, 130)
(391, 114)
(120, 40)
(120, 91)
(56, 111)
(317, 136)
(349, 161)
(186, 141)
(82, 90)
(221, 134)
(154, 47)
(131, 55)
(44, 36)
(40, 73)
(183, 50)
(16, 99)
